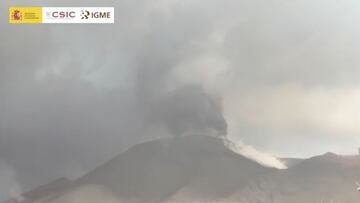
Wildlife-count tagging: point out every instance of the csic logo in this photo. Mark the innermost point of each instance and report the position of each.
(85, 14)
(16, 15)
(61, 14)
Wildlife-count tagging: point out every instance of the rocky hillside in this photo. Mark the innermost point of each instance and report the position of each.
(204, 169)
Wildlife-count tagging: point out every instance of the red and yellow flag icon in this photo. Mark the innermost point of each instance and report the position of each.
(25, 15)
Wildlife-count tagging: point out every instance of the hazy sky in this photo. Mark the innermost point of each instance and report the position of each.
(285, 75)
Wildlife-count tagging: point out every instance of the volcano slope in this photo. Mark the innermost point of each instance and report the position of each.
(203, 169)
(324, 178)
(199, 166)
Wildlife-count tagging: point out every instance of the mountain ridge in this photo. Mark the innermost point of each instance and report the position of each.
(203, 169)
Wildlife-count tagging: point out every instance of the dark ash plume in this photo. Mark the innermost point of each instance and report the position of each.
(190, 110)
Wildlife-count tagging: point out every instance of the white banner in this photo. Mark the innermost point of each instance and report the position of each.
(78, 15)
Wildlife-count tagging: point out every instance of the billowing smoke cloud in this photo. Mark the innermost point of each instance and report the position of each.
(9, 186)
(189, 110)
(73, 97)
(77, 101)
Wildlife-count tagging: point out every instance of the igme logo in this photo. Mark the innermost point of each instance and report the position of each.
(85, 14)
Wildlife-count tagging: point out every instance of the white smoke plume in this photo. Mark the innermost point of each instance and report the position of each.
(263, 158)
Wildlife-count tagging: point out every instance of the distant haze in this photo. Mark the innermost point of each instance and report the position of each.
(280, 76)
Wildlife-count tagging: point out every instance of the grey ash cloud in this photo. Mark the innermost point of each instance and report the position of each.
(74, 96)
(190, 110)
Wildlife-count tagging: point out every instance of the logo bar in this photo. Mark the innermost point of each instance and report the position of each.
(78, 14)
(61, 15)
